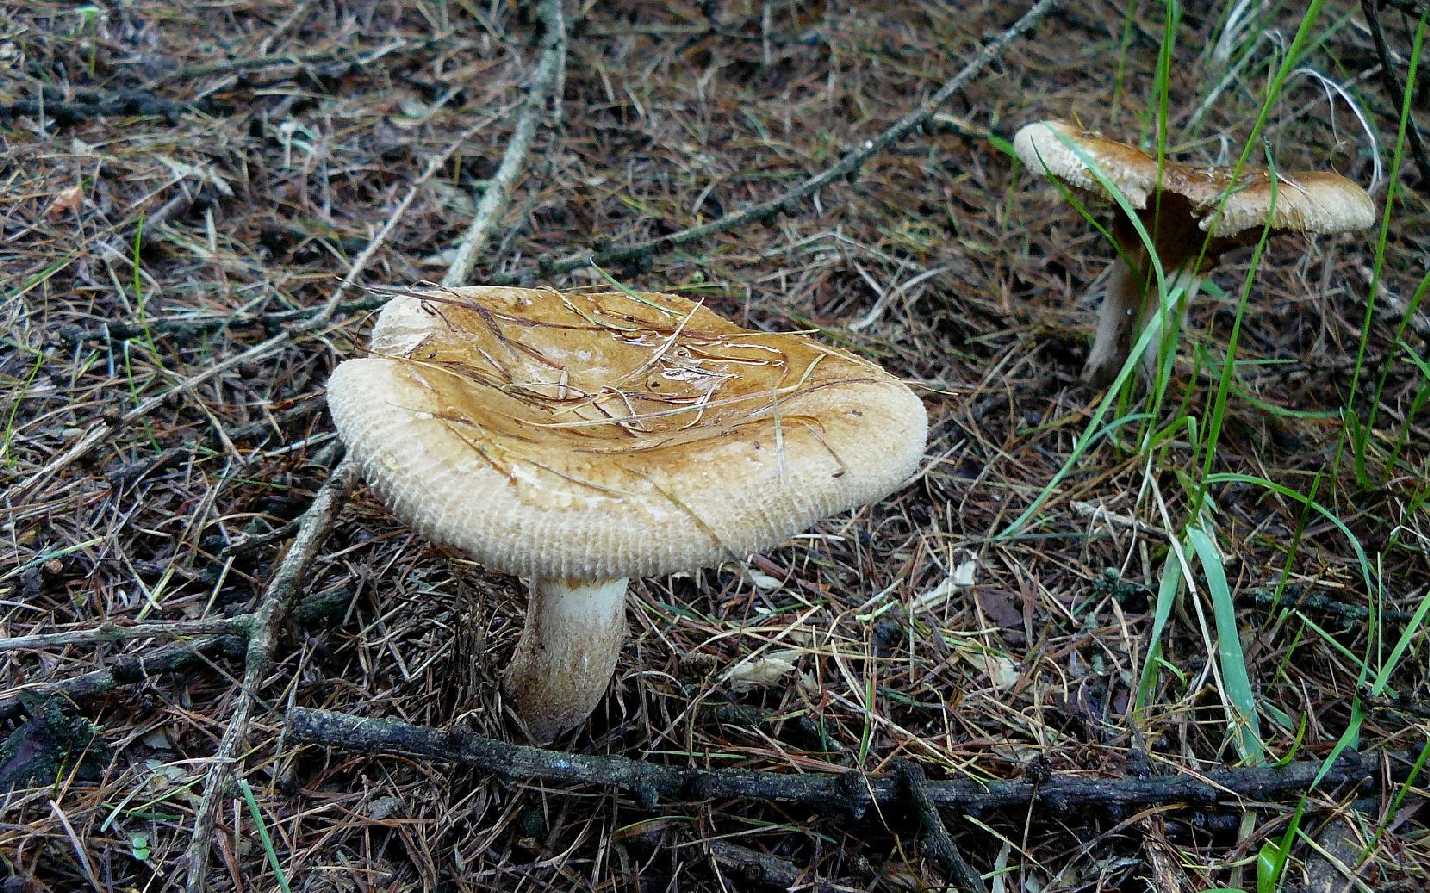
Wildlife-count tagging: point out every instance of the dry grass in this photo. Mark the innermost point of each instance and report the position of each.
(980, 275)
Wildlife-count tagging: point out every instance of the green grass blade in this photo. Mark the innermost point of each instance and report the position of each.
(1417, 403)
(1167, 591)
(1396, 802)
(1246, 726)
(1228, 370)
(1289, 493)
(263, 837)
(1271, 860)
(1398, 651)
(19, 397)
(1350, 738)
(1382, 239)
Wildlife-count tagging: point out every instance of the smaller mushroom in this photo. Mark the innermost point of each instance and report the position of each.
(1193, 214)
(582, 438)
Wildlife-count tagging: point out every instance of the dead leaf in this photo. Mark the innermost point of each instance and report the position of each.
(1000, 669)
(756, 672)
(998, 605)
(960, 580)
(764, 581)
(65, 201)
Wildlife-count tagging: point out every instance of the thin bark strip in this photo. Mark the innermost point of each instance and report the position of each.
(113, 632)
(277, 600)
(125, 670)
(550, 72)
(847, 166)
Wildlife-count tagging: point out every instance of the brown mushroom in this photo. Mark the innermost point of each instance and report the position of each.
(582, 438)
(1190, 213)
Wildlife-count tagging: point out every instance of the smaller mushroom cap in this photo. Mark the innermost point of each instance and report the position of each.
(1311, 202)
(595, 435)
(1045, 148)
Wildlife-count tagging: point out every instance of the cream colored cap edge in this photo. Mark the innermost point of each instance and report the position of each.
(1040, 146)
(433, 481)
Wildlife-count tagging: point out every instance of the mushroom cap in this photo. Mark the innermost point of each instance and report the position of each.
(593, 435)
(1310, 202)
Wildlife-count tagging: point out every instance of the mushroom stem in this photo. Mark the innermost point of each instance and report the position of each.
(567, 653)
(1114, 324)
(1121, 307)
(1132, 302)
(1152, 317)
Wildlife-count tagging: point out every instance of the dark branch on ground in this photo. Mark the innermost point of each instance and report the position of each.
(199, 325)
(846, 168)
(118, 104)
(273, 608)
(1410, 7)
(281, 60)
(130, 670)
(1393, 87)
(849, 794)
(90, 104)
(760, 868)
(314, 614)
(934, 838)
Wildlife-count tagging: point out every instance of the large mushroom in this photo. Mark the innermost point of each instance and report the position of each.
(1193, 214)
(582, 438)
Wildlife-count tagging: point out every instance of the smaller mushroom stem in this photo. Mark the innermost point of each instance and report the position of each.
(1153, 318)
(1121, 308)
(1132, 303)
(567, 653)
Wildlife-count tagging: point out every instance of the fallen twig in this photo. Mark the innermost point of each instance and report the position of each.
(850, 794)
(274, 606)
(315, 611)
(711, 28)
(847, 166)
(281, 60)
(113, 632)
(800, 729)
(1412, 7)
(198, 324)
(90, 104)
(257, 541)
(128, 670)
(755, 867)
(1392, 84)
(934, 837)
(550, 71)
(964, 127)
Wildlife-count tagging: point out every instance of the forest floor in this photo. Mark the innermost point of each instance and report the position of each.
(187, 182)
